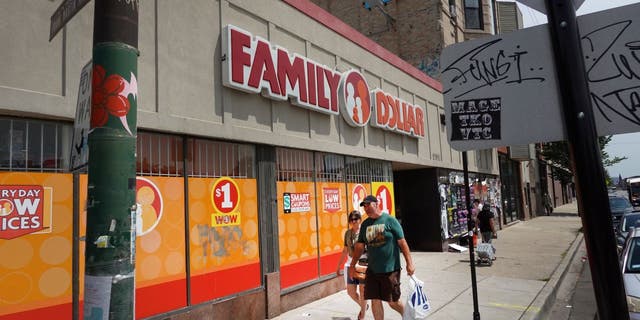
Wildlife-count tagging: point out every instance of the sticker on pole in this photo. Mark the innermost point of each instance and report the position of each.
(225, 198)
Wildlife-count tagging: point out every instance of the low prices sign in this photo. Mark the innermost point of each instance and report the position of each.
(296, 202)
(22, 210)
(225, 197)
(331, 199)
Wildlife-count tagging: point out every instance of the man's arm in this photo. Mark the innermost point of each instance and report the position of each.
(404, 247)
(358, 249)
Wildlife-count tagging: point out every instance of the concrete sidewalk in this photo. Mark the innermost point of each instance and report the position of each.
(532, 258)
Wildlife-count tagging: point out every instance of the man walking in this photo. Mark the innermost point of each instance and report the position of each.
(486, 223)
(384, 238)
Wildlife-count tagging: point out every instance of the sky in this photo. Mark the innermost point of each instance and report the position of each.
(622, 145)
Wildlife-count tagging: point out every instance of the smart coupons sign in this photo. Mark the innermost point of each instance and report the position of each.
(22, 210)
(253, 65)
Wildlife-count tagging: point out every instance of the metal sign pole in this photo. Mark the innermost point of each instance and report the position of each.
(470, 227)
(586, 160)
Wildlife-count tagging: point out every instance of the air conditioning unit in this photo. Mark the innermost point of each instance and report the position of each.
(523, 152)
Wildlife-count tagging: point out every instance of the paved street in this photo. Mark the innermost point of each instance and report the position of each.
(532, 259)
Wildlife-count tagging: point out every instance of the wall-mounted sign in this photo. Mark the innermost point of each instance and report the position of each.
(24, 209)
(225, 197)
(150, 206)
(254, 65)
(296, 202)
(384, 194)
(331, 199)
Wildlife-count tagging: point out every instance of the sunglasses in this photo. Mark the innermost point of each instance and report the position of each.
(354, 219)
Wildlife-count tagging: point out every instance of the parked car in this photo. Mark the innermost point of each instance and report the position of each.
(630, 265)
(628, 222)
(619, 206)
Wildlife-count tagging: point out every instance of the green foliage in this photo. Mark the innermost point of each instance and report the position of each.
(557, 154)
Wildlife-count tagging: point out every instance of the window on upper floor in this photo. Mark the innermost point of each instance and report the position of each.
(473, 14)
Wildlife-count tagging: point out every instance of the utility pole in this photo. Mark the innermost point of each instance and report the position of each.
(109, 291)
(587, 164)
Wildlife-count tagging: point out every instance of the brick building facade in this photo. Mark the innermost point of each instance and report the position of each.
(416, 30)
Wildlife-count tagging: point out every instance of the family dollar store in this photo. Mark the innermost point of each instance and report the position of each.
(260, 125)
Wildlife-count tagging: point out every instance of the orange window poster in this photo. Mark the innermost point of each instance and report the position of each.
(297, 232)
(36, 232)
(332, 223)
(160, 244)
(384, 192)
(357, 193)
(223, 231)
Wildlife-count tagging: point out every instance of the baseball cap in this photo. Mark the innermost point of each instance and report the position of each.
(368, 199)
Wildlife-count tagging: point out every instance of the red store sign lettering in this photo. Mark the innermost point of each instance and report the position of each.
(253, 65)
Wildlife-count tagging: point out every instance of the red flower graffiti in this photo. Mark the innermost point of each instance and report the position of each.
(110, 97)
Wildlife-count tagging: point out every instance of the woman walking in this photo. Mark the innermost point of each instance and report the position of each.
(355, 287)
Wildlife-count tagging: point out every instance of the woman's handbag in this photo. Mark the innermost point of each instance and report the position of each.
(361, 269)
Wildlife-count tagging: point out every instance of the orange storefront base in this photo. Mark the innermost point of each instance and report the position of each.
(161, 298)
(222, 283)
(329, 263)
(298, 272)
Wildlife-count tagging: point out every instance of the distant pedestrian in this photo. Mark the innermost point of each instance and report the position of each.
(355, 287)
(486, 223)
(548, 205)
(384, 238)
(475, 209)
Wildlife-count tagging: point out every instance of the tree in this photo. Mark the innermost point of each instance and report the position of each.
(557, 154)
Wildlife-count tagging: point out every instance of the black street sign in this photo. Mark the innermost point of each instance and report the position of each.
(64, 13)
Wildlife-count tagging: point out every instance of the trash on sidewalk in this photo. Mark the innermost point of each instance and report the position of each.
(457, 248)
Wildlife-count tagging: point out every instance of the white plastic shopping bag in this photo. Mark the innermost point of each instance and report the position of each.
(417, 305)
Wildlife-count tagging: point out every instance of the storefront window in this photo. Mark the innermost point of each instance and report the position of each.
(381, 170)
(357, 170)
(208, 158)
(29, 145)
(294, 165)
(329, 167)
(159, 155)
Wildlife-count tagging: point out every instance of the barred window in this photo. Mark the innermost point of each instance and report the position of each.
(362, 170)
(381, 170)
(329, 167)
(34, 145)
(357, 170)
(208, 158)
(294, 165)
(159, 155)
